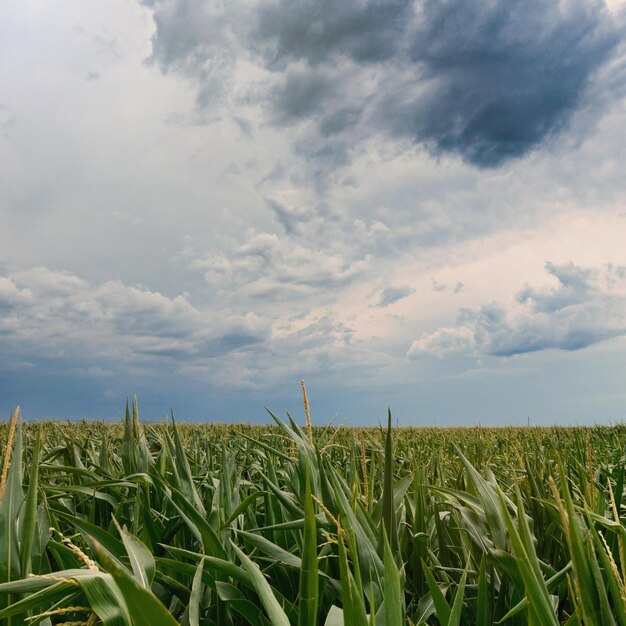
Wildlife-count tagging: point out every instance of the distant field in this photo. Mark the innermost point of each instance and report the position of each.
(200, 525)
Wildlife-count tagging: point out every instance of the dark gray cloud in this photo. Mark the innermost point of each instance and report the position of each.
(503, 76)
(586, 306)
(318, 30)
(489, 81)
(301, 94)
(338, 121)
(196, 40)
(390, 295)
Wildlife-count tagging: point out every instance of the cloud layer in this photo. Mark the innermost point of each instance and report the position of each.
(55, 314)
(50, 319)
(583, 307)
(489, 81)
(206, 201)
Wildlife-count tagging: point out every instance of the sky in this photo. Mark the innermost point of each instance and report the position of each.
(414, 204)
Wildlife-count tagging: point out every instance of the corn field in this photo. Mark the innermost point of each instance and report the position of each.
(200, 525)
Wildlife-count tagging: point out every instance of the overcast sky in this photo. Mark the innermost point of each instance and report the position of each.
(418, 204)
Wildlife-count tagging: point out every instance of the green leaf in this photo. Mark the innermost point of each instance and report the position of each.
(29, 518)
(273, 609)
(483, 610)
(141, 560)
(441, 606)
(11, 502)
(388, 521)
(537, 593)
(351, 594)
(457, 604)
(143, 606)
(198, 524)
(394, 600)
(106, 599)
(196, 595)
(308, 596)
(489, 498)
(33, 601)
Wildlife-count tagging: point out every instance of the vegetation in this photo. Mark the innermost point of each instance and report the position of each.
(165, 524)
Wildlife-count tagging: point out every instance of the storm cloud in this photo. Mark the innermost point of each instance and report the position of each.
(488, 81)
(204, 202)
(502, 76)
(318, 32)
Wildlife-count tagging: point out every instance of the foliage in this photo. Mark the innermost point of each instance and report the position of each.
(202, 525)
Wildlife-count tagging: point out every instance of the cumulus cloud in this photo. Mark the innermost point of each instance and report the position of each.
(266, 266)
(574, 286)
(53, 314)
(321, 348)
(104, 331)
(583, 307)
(442, 342)
(489, 81)
(196, 39)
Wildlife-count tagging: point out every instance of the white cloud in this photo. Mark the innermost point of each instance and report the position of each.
(268, 266)
(584, 306)
(53, 314)
(444, 342)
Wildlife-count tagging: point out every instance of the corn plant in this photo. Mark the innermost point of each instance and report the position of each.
(134, 523)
